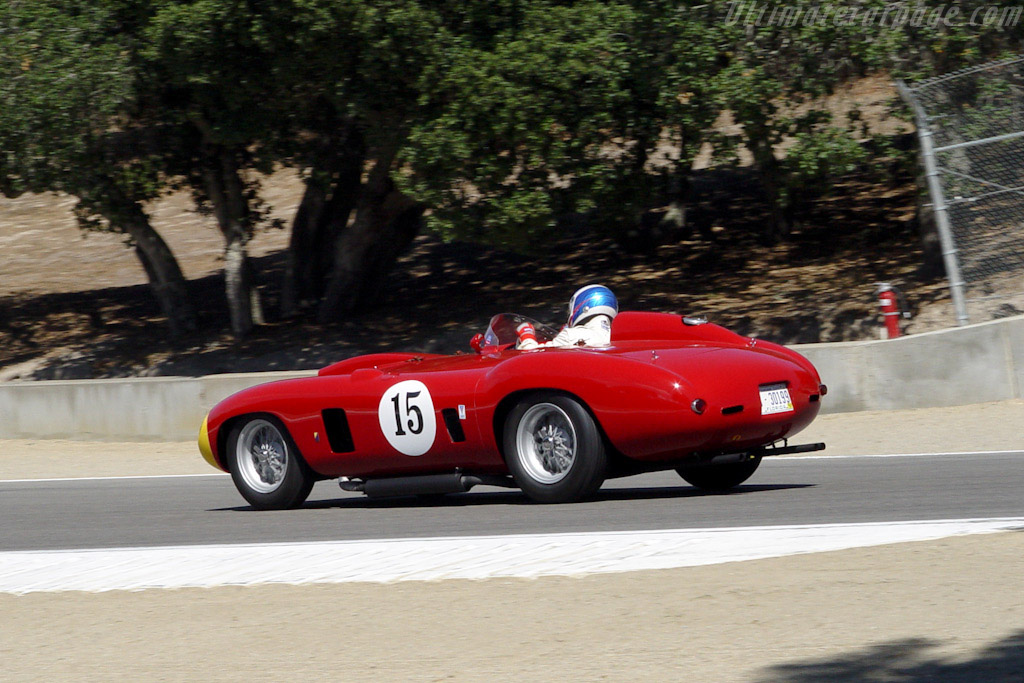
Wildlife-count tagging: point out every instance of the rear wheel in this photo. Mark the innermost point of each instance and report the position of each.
(265, 464)
(719, 477)
(554, 449)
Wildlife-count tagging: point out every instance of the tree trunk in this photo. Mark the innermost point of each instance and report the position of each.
(331, 193)
(165, 277)
(347, 192)
(386, 223)
(296, 288)
(162, 269)
(237, 287)
(354, 243)
(226, 192)
(401, 220)
(350, 251)
(770, 172)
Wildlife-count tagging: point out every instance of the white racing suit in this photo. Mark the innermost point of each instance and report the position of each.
(596, 331)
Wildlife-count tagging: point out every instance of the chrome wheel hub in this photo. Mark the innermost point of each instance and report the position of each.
(546, 441)
(553, 448)
(262, 456)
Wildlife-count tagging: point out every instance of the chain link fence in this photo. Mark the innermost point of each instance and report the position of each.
(971, 128)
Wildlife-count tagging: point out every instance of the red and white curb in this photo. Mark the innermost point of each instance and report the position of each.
(463, 557)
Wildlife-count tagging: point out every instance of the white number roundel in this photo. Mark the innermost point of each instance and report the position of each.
(406, 415)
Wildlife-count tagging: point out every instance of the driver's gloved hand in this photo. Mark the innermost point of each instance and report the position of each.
(527, 337)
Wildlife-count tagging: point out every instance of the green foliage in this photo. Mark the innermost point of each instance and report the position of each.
(826, 153)
(65, 87)
(776, 66)
(508, 114)
(560, 109)
(68, 94)
(818, 157)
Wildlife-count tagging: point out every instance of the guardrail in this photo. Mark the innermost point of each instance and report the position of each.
(971, 364)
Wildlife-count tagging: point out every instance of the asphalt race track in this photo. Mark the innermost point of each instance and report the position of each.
(157, 511)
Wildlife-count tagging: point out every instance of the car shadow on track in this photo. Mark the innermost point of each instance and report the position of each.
(516, 497)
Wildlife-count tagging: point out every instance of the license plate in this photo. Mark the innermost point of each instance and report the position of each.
(775, 399)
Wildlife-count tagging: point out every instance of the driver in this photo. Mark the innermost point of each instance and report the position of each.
(591, 310)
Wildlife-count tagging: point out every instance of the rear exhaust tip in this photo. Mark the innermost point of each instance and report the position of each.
(347, 484)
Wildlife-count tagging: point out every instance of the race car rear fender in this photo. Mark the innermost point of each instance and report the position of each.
(641, 409)
(509, 402)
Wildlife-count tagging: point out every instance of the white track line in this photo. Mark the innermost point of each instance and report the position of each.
(477, 557)
(896, 455)
(117, 478)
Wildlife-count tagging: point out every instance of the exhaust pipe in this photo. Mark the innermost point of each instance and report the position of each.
(427, 484)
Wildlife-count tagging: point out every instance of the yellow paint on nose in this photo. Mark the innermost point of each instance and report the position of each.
(204, 445)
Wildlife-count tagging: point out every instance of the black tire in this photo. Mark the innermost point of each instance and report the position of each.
(279, 479)
(554, 449)
(719, 477)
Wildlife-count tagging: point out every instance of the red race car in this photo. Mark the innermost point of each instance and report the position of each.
(670, 392)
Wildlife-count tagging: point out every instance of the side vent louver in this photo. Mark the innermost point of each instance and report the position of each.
(338, 433)
(451, 421)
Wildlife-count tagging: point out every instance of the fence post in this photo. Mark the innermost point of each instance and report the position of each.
(931, 170)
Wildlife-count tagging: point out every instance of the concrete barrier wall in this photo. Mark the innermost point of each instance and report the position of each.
(138, 409)
(973, 364)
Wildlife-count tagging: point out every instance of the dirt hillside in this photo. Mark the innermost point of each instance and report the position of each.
(75, 305)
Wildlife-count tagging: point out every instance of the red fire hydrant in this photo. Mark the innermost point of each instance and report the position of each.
(893, 305)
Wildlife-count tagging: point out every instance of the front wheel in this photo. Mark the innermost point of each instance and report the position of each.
(554, 449)
(719, 477)
(265, 464)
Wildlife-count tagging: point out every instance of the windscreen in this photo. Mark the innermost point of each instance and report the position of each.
(502, 329)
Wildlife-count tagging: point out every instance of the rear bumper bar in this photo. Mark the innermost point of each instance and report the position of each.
(727, 458)
(788, 450)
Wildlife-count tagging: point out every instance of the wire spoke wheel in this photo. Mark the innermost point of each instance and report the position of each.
(262, 456)
(546, 441)
(554, 449)
(265, 464)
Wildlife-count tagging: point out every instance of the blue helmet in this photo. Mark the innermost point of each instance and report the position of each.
(590, 301)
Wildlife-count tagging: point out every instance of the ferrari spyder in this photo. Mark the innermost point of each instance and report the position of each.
(669, 392)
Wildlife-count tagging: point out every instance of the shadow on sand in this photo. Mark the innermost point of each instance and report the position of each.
(909, 661)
